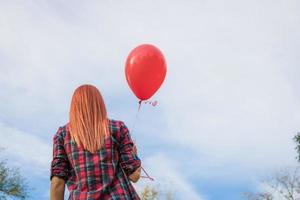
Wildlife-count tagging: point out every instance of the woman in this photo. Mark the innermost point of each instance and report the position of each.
(92, 154)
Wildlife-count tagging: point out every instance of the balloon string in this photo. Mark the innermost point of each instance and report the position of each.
(136, 116)
(147, 175)
(133, 128)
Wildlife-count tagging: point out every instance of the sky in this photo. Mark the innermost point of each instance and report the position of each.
(226, 113)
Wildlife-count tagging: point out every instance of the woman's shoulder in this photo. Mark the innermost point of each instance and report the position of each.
(62, 131)
(116, 128)
(116, 123)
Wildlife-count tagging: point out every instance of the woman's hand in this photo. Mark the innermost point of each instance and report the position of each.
(135, 176)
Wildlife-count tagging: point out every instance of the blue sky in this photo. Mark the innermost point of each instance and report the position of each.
(226, 112)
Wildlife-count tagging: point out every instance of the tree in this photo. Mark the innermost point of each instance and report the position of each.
(260, 196)
(284, 185)
(12, 184)
(149, 193)
(152, 193)
(297, 140)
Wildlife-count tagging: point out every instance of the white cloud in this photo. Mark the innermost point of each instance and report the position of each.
(25, 150)
(167, 178)
(228, 95)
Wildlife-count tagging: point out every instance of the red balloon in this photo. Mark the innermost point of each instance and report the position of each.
(145, 70)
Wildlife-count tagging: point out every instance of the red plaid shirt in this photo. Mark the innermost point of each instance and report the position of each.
(102, 175)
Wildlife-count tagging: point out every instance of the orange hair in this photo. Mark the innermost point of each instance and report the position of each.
(88, 118)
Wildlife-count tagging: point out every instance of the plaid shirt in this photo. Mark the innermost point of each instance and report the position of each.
(102, 175)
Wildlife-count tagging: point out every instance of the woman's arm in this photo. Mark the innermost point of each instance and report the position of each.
(60, 167)
(130, 162)
(57, 188)
(135, 176)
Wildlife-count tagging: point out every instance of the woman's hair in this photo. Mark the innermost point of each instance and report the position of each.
(88, 118)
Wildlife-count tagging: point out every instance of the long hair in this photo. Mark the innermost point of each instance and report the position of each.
(88, 118)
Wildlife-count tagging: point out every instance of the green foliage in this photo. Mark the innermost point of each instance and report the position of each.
(12, 184)
(297, 140)
(149, 193)
(153, 193)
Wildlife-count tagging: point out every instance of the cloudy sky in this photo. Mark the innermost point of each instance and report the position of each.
(226, 112)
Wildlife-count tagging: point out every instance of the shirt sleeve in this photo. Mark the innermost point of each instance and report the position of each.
(60, 165)
(129, 160)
